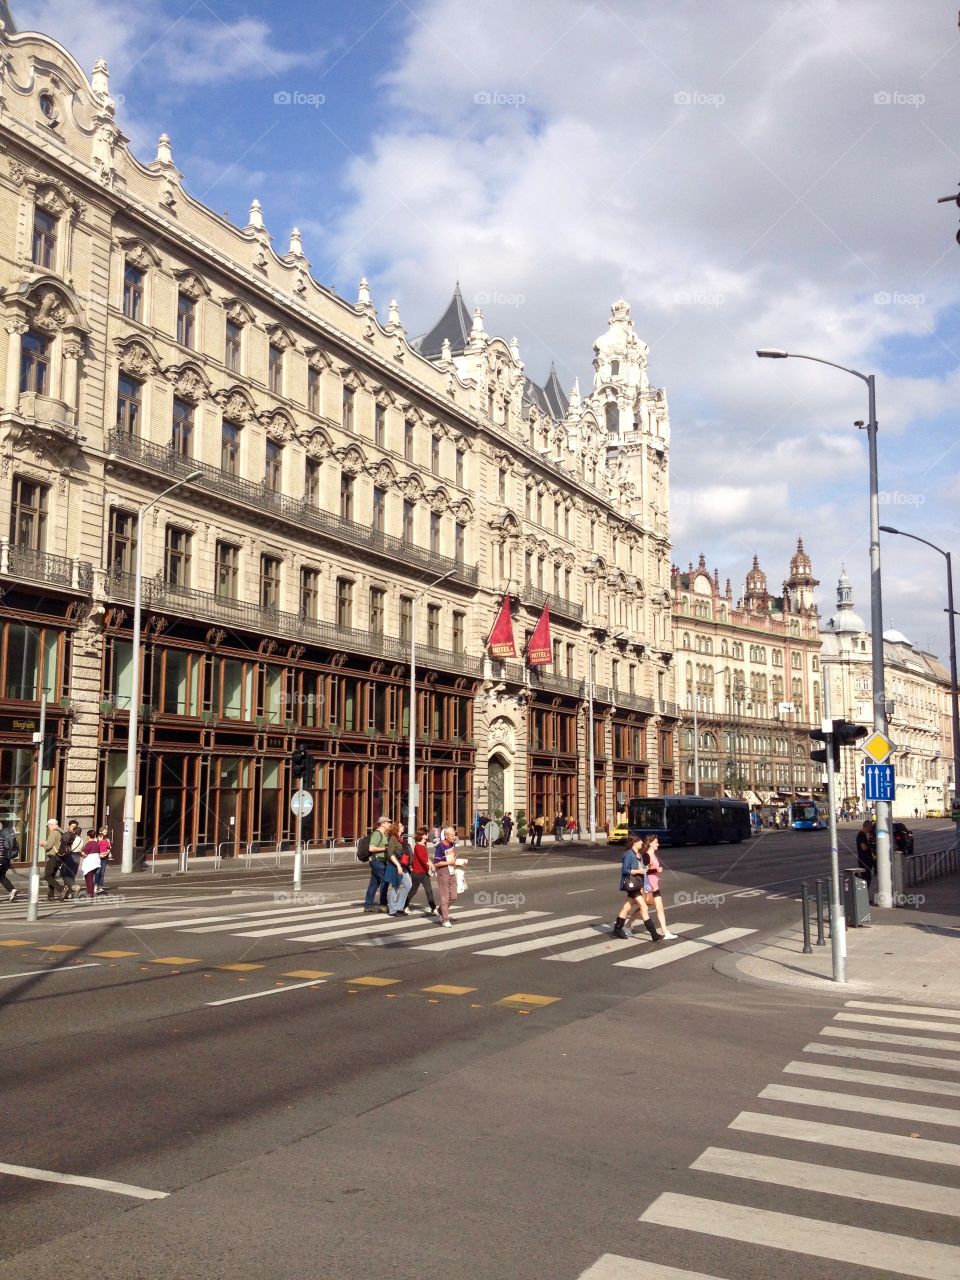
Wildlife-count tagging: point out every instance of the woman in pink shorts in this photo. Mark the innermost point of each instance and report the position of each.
(652, 868)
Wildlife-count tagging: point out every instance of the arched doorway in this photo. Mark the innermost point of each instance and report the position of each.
(497, 785)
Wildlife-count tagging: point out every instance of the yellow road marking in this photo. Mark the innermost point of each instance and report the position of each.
(523, 998)
(60, 946)
(442, 990)
(115, 955)
(372, 982)
(308, 973)
(239, 968)
(16, 942)
(174, 960)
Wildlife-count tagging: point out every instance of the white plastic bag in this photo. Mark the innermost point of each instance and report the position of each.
(461, 880)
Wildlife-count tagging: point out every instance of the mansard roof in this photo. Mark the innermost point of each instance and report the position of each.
(549, 398)
(455, 325)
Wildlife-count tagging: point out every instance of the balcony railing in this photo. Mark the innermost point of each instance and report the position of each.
(297, 511)
(670, 709)
(41, 566)
(563, 608)
(557, 684)
(208, 607)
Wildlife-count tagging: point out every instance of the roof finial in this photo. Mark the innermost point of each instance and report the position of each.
(363, 293)
(255, 220)
(296, 243)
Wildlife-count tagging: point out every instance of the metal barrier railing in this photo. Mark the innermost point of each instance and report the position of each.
(921, 867)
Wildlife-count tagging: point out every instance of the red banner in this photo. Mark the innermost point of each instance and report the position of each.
(501, 642)
(539, 650)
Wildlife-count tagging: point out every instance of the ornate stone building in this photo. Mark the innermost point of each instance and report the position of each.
(337, 478)
(751, 671)
(917, 687)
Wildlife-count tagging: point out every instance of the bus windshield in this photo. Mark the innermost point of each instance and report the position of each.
(646, 813)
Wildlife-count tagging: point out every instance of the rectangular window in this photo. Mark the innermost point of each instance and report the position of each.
(502, 485)
(346, 497)
(433, 626)
(182, 433)
(434, 533)
(44, 239)
(122, 542)
(349, 397)
(379, 509)
(269, 582)
(379, 425)
(378, 601)
(406, 619)
(344, 602)
(539, 507)
(408, 440)
(407, 520)
(231, 351)
(313, 390)
(227, 570)
(310, 593)
(556, 656)
(176, 557)
(311, 482)
(230, 449)
(435, 455)
(569, 661)
(186, 320)
(129, 403)
(273, 470)
(28, 515)
(459, 475)
(132, 292)
(34, 363)
(459, 627)
(528, 567)
(275, 369)
(460, 542)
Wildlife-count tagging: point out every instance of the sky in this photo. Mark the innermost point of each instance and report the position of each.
(746, 174)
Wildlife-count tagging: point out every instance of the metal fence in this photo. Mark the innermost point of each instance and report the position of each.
(918, 868)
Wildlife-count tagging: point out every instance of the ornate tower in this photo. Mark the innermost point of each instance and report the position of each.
(799, 587)
(756, 596)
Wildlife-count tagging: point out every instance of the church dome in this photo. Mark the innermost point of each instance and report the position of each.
(845, 620)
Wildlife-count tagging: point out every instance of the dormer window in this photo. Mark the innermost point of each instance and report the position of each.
(44, 239)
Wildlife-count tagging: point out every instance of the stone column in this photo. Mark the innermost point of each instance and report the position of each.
(16, 327)
(70, 378)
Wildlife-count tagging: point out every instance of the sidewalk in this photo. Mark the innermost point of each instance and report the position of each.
(909, 953)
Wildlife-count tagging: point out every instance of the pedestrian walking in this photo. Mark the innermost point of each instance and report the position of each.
(445, 864)
(51, 867)
(867, 854)
(631, 883)
(105, 850)
(90, 863)
(379, 839)
(420, 870)
(9, 852)
(539, 825)
(71, 851)
(396, 874)
(654, 867)
(559, 826)
(507, 825)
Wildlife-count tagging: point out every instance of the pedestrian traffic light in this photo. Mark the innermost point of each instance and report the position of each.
(820, 735)
(301, 763)
(845, 733)
(49, 751)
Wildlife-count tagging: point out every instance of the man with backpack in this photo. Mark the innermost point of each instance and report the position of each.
(9, 849)
(377, 843)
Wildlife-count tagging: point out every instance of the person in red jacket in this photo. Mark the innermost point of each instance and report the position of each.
(420, 869)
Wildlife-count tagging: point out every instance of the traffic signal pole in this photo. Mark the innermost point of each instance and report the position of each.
(33, 895)
(838, 921)
(298, 856)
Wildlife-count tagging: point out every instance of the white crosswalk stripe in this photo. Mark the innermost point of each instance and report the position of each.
(925, 1010)
(839, 1238)
(890, 1037)
(688, 948)
(913, 1024)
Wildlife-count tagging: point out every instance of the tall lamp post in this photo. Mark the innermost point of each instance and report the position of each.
(884, 884)
(954, 693)
(412, 757)
(133, 722)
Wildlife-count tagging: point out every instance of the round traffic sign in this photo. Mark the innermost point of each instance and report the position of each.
(301, 802)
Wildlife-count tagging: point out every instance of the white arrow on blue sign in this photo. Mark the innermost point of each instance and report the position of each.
(879, 780)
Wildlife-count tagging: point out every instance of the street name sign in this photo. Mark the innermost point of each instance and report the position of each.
(301, 802)
(879, 781)
(878, 747)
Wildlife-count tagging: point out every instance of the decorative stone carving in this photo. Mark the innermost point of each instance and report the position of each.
(236, 405)
(352, 460)
(237, 311)
(279, 426)
(192, 284)
(503, 734)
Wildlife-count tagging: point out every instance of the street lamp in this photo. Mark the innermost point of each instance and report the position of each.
(412, 762)
(884, 886)
(954, 693)
(130, 794)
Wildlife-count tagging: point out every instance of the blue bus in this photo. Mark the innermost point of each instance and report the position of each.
(689, 819)
(808, 815)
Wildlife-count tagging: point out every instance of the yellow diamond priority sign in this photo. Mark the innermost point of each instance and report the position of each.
(878, 747)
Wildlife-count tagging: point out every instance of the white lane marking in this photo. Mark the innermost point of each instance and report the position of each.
(889, 1037)
(35, 973)
(273, 991)
(612, 1267)
(884, 1055)
(910, 1024)
(76, 1180)
(572, 893)
(616, 944)
(552, 871)
(455, 942)
(666, 955)
(929, 1011)
(841, 1135)
(237, 917)
(928, 1197)
(916, 1112)
(298, 916)
(838, 1242)
(384, 924)
(536, 944)
(431, 930)
(877, 1079)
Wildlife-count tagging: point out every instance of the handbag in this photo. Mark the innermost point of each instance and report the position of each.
(632, 885)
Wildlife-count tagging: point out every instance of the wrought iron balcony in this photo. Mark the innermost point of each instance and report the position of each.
(670, 709)
(206, 606)
(557, 605)
(298, 512)
(51, 570)
(557, 684)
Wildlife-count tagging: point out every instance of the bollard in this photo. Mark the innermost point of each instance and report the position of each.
(821, 940)
(182, 860)
(805, 907)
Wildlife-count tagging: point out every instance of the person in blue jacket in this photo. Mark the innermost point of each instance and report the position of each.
(632, 884)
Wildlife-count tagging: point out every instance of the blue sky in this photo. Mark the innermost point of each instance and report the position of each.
(757, 173)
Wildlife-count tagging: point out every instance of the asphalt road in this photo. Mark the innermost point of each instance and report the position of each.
(319, 1092)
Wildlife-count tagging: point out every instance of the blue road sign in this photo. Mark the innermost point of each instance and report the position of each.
(880, 782)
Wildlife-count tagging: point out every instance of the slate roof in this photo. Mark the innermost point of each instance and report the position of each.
(6, 17)
(455, 324)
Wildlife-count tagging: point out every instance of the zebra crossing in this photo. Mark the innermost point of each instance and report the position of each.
(493, 931)
(739, 1229)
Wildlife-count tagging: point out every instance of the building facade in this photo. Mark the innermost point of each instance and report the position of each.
(749, 678)
(338, 486)
(917, 688)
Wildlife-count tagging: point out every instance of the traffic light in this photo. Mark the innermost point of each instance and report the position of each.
(301, 764)
(820, 735)
(845, 733)
(49, 751)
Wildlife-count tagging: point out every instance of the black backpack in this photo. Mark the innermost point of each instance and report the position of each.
(363, 849)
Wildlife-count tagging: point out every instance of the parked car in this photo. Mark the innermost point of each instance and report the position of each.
(619, 834)
(902, 838)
